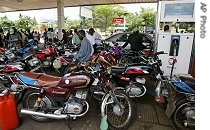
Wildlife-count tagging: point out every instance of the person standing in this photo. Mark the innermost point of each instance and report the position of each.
(135, 40)
(2, 42)
(94, 38)
(14, 38)
(70, 35)
(36, 36)
(75, 39)
(65, 37)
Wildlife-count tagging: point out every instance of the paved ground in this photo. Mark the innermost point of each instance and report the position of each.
(150, 116)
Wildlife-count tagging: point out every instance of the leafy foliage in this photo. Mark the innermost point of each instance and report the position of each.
(103, 15)
(71, 24)
(5, 23)
(25, 22)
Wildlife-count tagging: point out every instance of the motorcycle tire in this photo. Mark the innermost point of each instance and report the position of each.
(29, 100)
(128, 115)
(178, 117)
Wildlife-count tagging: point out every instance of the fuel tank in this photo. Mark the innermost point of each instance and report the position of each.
(72, 80)
(138, 70)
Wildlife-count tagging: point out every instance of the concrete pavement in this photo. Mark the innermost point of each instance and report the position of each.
(150, 116)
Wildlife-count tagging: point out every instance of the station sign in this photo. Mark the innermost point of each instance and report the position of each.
(118, 20)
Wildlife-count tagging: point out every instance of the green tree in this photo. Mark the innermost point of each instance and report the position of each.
(147, 17)
(25, 22)
(103, 15)
(133, 20)
(71, 24)
(5, 23)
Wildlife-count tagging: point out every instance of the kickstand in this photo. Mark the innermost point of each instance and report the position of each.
(68, 120)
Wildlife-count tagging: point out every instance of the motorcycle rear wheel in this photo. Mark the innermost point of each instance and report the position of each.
(179, 116)
(30, 99)
(117, 118)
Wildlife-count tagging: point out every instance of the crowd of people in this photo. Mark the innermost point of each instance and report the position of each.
(17, 37)
(86, 41)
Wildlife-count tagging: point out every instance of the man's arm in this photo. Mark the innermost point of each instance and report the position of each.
(126, 43)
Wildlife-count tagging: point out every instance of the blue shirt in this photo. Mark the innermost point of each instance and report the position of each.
(85, 51)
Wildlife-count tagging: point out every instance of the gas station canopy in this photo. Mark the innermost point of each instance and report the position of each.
(23, 5)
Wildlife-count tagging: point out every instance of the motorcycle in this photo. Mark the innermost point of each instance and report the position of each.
(132, 78)
(53, 57)
(45, 97)
(107, 55)
(180, 94)
(30, 46)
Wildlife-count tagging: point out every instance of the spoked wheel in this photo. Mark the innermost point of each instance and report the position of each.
(120, 113)
(184, 116)
(29, 102)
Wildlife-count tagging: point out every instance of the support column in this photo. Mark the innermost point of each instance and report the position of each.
(157, 28)
(83, 22)
(60, 11)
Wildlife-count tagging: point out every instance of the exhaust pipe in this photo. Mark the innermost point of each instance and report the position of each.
(99, 93)
(52, 116)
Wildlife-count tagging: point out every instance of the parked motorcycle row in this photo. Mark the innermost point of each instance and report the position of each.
(106, 77)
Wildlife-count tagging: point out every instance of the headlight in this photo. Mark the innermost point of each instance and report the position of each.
(33, 61)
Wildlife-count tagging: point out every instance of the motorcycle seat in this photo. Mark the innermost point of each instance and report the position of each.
(189, 81)
(48, 81)
(32, 75)
(117, 70)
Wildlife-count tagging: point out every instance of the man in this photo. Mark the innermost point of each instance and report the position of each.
(14, 38)
(2, 43)
(94, 38)
(75, 39)
(85, 50)
(135, 39)
(65, 36)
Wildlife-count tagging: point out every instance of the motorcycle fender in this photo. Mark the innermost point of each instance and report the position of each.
(103, 104)
(171, 106)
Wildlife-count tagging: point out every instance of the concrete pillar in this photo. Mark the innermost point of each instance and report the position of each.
(60, 11)
(157, 28)
(83, 22)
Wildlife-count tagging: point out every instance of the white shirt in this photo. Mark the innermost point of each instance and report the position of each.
(91, 38)
(97, 38)
(92, 41)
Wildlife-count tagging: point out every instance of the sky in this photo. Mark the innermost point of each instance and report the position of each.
(51, 14)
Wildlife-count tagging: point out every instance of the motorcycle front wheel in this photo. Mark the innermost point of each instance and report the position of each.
(29, 102)
(120, 111)
(184, 116)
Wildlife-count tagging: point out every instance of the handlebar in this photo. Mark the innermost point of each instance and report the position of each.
(160, 52)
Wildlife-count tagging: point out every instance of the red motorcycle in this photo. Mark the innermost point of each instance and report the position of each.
(45, 97)
(52, 57)
(132, 78)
